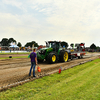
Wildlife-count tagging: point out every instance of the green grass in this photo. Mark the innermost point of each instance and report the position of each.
(79, 83)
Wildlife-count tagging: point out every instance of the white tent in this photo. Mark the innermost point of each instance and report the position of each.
(14, 46)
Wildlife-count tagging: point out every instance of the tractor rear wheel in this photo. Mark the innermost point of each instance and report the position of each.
(64, 56)
(52, 58)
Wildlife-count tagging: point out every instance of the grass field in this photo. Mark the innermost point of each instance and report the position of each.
(79, 83)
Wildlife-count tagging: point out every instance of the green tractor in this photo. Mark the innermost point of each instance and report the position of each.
(54, 51)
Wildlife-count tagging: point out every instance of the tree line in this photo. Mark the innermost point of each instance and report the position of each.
(7, 42)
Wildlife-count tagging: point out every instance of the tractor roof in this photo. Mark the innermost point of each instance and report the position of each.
(56, 41)
(53, 41)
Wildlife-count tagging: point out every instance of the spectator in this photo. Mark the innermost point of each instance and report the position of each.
(33, 58)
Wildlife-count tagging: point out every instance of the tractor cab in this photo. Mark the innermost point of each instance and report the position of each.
(54, 44)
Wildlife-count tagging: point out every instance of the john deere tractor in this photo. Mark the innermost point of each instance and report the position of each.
(54, 51)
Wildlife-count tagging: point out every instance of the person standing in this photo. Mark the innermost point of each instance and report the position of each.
(33, 58)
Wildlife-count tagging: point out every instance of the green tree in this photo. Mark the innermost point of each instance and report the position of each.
(31, 43)
(0, 43)
(11, 40)
(98, 47)
(19, 44)
(4, 42)
(93, 46)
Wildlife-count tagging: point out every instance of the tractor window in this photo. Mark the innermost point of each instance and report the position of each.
(52, 45)
(55, 46)
(47, 44)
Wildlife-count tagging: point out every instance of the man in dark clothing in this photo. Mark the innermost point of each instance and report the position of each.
(33, 58)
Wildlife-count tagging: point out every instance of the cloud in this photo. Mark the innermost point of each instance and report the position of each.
(13, 3)
(40, 20)
(19, 27)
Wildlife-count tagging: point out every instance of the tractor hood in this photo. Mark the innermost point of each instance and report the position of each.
(46, 48)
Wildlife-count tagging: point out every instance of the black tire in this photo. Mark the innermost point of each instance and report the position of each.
(80, 57)
(52, 58)
(62, 56)
(10, 56)
(71, 57)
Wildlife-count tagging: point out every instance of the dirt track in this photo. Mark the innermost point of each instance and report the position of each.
(15, 70)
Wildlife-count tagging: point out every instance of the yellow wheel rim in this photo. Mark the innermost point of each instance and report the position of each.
(53, 58)
(65, 56)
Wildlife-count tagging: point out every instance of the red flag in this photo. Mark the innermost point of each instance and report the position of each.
(59, 71)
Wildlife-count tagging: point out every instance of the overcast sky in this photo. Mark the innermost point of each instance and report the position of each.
(74, 21)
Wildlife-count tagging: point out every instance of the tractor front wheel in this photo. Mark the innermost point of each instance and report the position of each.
(52, 58)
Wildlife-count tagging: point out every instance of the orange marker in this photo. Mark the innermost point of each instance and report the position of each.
(39, 69)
